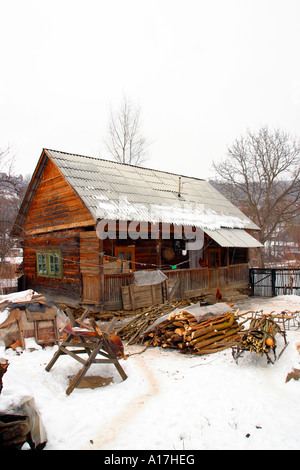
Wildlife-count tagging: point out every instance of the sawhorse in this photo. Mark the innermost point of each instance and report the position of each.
(92, 343)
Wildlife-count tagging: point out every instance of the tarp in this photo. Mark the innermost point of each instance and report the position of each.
(23, 296)
(200, 313)
(148, 278)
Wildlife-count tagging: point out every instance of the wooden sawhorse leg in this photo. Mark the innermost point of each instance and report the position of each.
(56, 355)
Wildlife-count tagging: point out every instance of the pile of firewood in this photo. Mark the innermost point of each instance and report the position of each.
(164, 326)
(131, 332)
(171, 326)
(260, 337)
(182, 331)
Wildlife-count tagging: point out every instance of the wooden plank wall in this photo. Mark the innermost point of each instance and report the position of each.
(113, 284)
(196, 280)
(55, 205)
(134, 297)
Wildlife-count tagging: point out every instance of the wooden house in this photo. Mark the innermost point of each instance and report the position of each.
(150, 217)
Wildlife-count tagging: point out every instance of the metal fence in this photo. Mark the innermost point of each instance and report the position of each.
(273, 282)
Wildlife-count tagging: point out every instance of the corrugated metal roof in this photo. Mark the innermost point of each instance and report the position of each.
(112, 190)
(233, 238)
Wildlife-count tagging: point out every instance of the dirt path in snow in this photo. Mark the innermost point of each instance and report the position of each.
(116, 426)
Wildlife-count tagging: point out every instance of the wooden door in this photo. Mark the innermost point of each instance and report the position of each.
(126, 253)
(214, 257)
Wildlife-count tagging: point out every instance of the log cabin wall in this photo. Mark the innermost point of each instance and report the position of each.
(144, 250)
(150, 253)
(67, 241)
(53, 221)
(55, 205)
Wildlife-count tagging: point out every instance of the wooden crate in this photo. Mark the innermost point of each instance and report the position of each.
(134, 297)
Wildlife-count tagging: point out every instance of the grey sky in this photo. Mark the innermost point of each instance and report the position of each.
(202, 71)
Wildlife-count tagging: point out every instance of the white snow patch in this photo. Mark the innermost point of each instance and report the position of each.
(169, 400)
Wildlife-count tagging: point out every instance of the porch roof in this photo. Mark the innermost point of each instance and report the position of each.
(233, 238)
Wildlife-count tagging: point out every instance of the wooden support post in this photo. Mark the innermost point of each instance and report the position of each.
(101, 273)
(158, 245)
(227, 256)
(22, 340)
(273, 281)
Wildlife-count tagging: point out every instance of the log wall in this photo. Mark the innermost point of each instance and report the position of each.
(68, 242)
(53, 221)
(55, 205)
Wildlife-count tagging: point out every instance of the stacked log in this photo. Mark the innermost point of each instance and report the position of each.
(131, 332)
(260, 337)
(182, 331)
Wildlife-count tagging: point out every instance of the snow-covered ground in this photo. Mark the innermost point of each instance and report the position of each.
(169, 401)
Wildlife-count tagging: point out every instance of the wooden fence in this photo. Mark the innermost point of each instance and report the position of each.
(193, 281)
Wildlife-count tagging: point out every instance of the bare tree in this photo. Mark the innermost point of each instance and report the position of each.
(12, 189)
(125, 142)
(261, 175)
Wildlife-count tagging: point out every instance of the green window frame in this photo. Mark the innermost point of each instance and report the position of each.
(49, 263)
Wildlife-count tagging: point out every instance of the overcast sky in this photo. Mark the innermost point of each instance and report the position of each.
(202, 71)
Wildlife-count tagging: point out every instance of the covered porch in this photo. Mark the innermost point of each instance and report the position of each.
(190, 283)
(216, 266)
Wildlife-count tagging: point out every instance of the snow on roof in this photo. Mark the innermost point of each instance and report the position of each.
(116, 191)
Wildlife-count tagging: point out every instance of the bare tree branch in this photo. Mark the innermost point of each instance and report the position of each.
(125, 142)
(261, 172)
(12, 189)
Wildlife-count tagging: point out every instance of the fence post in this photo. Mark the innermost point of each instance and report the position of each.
(251, 280)
(273, 280)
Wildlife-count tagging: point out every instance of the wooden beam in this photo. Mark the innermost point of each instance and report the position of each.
(101, 271)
